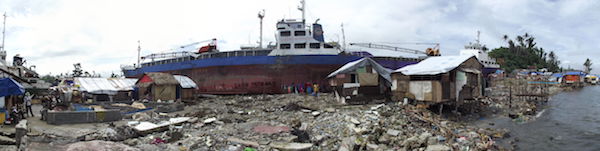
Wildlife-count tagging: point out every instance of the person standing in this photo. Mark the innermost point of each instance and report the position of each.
(28, 109)
(316, 89)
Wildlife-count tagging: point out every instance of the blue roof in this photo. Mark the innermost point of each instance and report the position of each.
(9, 86)
(557, 75)
(575, 73)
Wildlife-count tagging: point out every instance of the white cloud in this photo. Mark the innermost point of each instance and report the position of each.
(103, 34)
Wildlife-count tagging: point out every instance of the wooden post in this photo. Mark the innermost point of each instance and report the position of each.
(441, 108)
(510, 95)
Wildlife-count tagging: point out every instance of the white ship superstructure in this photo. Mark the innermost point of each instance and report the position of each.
(481, 52)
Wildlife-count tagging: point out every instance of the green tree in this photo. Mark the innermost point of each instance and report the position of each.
(523, 53)
(553, 62)
(50, 79)
(588, 65)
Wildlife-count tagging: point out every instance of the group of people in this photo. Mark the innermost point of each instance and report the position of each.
(303, 88)
(21, 107)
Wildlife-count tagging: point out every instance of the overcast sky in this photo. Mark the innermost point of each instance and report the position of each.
(103, 34)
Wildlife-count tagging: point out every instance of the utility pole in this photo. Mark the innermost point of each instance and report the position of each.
(138, 57)
(261, 15)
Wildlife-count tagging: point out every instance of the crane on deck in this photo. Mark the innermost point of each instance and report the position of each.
(434, 51)
(210, 47)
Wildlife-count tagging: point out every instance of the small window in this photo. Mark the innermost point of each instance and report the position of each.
(302, 45)
(315, 45)
(284, 46)
(299, 33)
(285, 33)
(327, 46)
(353, 78)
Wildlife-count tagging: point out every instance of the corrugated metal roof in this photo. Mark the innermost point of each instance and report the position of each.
(185, 82)
(434, 65)
(105, 85)
(384, 72)
(123, 84)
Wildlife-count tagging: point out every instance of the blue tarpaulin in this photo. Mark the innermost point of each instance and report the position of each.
(575, 73)
(558, 75)
(9, 86)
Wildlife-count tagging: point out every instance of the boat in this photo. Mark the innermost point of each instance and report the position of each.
(300, 56)
(481, 52)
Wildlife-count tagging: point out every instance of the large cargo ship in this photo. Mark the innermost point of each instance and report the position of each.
(299, 56)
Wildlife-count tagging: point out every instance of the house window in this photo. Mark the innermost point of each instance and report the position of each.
(426, 77)
(285, 33)
(327, 46)
(315, 45)
(353, 78)
(302, 45)
(284, 46)
(299, 33)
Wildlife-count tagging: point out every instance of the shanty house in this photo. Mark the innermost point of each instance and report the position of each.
(439, 79)
(157, 86)
(574, 77)
(186, 87)
(103, 89)
(360, 81)
(9, 89)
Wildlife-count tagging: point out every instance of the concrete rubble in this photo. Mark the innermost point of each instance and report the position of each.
(288, 122)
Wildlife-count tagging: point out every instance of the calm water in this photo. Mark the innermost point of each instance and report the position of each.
(570, 122)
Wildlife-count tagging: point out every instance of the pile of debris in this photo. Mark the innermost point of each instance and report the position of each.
(518, 99)
(282, 122)
(296, 122)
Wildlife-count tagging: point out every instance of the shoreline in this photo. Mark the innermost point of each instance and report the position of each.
(528, 110)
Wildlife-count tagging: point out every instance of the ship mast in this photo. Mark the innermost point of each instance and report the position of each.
(477, 40)
(2, 49)
(261, 15)
(302, 9)
(3, 32)
(138, 57)
(343, 38)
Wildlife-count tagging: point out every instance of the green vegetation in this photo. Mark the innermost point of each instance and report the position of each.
(50, 79)
(522, 53)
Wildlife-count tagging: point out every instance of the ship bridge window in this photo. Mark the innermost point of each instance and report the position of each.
(302, 45)
(285, 33)
(327, 46)
(299, 33)
(315, 45)
(284, 46)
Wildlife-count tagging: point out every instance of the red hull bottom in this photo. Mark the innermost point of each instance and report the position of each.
(256, 79)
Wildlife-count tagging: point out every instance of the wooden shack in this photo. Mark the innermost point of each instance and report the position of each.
(187, 87)
(574, 77)
(157, 86)
(360, 82)
(439, 79)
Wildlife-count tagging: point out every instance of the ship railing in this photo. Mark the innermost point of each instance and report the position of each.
(262, 52)
(127, 67)
(234, 54)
